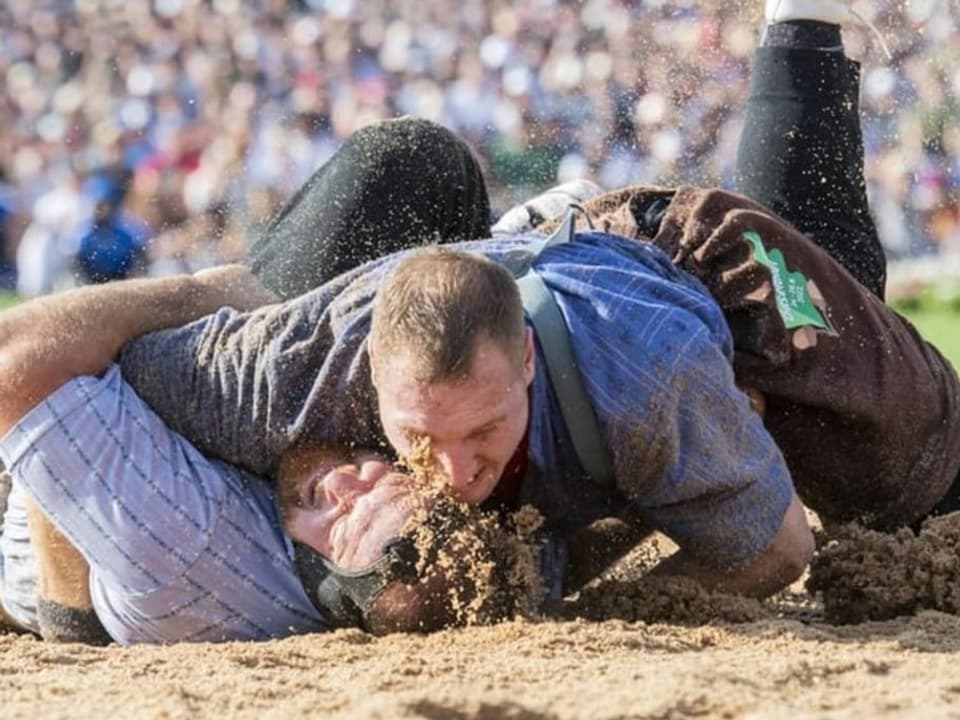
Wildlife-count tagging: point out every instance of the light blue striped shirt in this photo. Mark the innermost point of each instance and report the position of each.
(181, 548)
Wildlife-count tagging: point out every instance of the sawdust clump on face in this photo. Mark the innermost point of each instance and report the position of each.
(490, 564)
(486, 563)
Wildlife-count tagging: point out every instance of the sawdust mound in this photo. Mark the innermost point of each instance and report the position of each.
(673, 600)
(867, 575)
(628, 592)
(489, 563)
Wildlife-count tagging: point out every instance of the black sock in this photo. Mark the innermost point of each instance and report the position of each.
(60, 623)
(803, 35)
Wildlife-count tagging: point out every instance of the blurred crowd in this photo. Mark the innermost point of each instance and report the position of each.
(156, 136)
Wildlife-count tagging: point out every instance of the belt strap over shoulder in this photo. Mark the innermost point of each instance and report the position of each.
(544, 313)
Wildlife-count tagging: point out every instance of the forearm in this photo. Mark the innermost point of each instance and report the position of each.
(50, 340)
(63, 573)
(7, 622)
(735, 580)
(781, 563)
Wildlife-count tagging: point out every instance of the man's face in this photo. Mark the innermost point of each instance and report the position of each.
(345, 511)
(473, 425)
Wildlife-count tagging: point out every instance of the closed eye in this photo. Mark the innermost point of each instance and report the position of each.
(483, 432)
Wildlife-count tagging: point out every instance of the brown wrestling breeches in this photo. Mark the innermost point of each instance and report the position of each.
(865, 412)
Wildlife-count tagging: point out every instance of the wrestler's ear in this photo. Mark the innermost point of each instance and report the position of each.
(529, 356)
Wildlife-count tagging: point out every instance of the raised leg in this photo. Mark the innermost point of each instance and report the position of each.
(393, 185)
(801, 151)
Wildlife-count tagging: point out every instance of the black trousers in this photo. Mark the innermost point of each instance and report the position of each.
(392, 185)
(801, 154)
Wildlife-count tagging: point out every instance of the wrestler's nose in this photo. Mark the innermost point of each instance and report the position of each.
(373, 468)
(344, 483)
(459, 464)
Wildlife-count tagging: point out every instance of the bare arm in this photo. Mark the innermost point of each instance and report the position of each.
(48, 341)
(779, 565)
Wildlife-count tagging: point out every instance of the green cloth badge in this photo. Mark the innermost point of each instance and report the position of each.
(789, 288)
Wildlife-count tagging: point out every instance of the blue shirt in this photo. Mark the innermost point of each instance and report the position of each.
(690, 457)
(111, 250)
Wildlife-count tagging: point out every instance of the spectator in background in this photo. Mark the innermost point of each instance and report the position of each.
(113, 245)
(8, 272)
(46, 252)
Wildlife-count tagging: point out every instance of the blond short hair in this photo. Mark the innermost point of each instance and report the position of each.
(437, 303)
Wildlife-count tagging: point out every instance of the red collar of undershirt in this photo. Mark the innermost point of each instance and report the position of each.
(506, 494)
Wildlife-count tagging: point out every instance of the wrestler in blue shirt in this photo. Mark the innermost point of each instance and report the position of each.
(690, 456)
